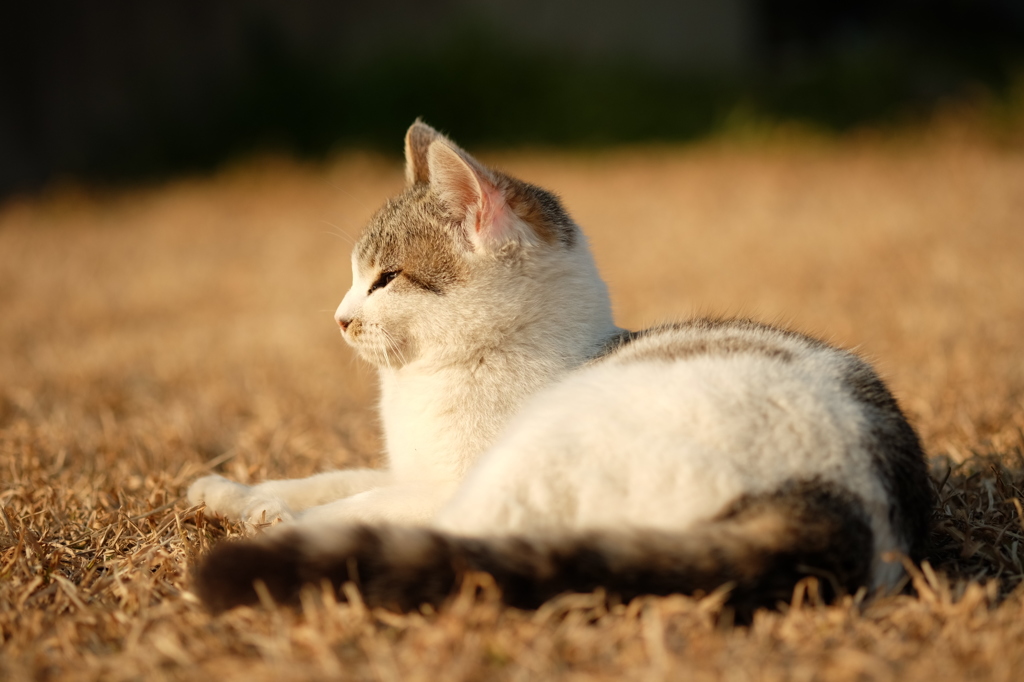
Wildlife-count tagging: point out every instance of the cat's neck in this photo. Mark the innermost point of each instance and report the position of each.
(440, 411)
(437, 419)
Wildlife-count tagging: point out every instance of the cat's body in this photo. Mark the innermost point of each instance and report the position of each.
(529, 437)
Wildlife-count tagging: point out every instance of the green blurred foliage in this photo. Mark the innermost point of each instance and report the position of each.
(492, 94)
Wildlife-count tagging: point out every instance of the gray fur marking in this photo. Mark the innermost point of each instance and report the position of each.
(733, 338)
(896, 455)
(413, 233)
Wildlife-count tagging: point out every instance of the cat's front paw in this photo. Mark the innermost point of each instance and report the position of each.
(264, 511)
(220, 495)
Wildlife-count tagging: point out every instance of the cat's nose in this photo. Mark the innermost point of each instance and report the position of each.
(343, 322)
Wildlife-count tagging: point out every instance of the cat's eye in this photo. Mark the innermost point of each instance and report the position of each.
(384, 280)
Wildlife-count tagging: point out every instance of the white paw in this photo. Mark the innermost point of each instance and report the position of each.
(220, 495)
(263, 511)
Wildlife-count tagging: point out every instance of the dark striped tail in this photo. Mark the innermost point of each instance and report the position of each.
(762, 546)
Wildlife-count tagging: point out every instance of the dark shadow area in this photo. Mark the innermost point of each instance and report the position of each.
(125, 91)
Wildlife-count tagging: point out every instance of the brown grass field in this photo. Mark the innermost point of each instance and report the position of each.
(148, 336)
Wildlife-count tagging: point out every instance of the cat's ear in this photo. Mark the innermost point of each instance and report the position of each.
(472, 196)
(417, 141)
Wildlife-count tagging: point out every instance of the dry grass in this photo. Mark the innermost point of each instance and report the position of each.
(149, 336)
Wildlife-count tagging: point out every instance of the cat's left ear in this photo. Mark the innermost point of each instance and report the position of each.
(472, 196)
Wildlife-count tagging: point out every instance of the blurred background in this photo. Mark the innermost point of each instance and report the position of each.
(127, 90)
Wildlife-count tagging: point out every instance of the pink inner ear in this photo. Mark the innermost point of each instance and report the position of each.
(468, 189)
(492, 212)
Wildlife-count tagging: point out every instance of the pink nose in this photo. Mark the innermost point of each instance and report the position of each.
(343, 323)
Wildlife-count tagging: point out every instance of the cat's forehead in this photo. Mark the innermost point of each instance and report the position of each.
(413, 233)
(412, 221)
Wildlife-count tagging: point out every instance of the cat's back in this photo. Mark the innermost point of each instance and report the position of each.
(671, 425)
(742, 389)
(707, 337)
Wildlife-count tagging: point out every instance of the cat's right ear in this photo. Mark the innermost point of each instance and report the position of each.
(417, 143)
(472, 196)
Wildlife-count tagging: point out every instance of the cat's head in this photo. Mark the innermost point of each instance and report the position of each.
(462, 258)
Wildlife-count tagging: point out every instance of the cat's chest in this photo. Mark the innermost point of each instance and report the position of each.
(436, 423)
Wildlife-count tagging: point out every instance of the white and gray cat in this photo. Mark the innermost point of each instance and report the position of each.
(529, 437)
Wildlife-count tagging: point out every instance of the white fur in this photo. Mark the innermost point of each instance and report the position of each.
(666, 445)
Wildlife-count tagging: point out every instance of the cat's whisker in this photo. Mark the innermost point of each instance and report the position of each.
(341, 234)
(394, 345)
(393, 351)
(382, 349)
(343, 237)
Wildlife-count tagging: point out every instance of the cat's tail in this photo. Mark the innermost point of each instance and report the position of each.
(761, 546)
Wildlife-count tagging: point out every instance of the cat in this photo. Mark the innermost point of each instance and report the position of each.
(530, 438)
